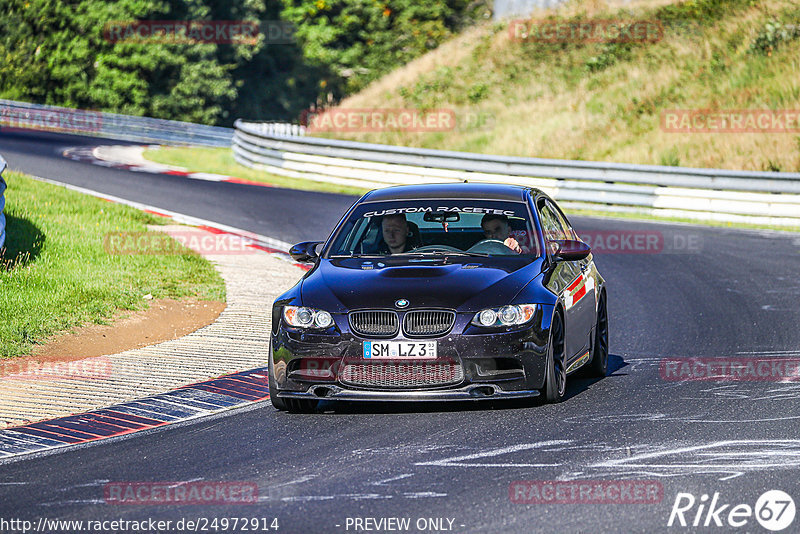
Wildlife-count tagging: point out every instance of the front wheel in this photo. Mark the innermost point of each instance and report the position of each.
(556, 378)
(290, 405)
(279, 404)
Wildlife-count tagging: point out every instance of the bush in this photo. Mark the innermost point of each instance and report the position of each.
(771, 35)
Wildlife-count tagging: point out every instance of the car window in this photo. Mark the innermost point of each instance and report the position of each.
(436, 226)
(569, 232)
(551, 228)
(554, 226)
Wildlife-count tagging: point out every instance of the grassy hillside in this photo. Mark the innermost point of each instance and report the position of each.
(603, 101)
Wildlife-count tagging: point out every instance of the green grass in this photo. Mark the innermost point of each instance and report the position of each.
(220, 161)
(56, 275)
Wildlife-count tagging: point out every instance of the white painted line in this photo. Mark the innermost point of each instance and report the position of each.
(706, 450)
(208, 176)
(384, 481)
(456, 461)
(269, 242)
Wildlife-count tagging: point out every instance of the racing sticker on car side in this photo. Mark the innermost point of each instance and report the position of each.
(578, 289)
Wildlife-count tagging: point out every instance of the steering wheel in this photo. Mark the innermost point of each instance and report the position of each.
(490, 246)
(431, 248)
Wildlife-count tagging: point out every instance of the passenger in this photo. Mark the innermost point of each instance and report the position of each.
(497, 227)
(396, 234)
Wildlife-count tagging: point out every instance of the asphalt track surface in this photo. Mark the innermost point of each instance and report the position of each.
(731, 294)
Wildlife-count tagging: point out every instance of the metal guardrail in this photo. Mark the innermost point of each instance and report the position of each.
(277, 128)
(113, 125)
(712, 194)
(520, 8)
(2, 204)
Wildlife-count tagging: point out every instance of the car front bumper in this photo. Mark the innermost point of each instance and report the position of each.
(491, 364)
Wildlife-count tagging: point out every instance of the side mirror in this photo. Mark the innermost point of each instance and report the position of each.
(570, 250)
(305, 251)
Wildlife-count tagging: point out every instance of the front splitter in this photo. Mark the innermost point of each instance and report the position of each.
(472, 392)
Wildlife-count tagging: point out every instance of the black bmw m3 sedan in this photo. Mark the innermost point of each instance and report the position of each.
(440, 292)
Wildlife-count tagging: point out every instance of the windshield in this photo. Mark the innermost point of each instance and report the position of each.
(437, 227)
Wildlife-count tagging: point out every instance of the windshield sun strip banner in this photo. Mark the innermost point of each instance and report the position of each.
(439, 209)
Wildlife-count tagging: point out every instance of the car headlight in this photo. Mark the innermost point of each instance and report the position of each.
(512, 315)
(303, 317)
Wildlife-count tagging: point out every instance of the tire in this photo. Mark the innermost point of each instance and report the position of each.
(290, 405)
(599, 366)
(279, 404)
(555, 386)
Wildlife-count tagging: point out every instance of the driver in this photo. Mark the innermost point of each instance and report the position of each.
(497, 227)
(395, 234)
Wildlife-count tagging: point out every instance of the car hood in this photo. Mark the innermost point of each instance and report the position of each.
(457, 282)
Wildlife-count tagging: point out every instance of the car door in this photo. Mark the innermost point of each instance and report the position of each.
(569, 280)
(581, 294)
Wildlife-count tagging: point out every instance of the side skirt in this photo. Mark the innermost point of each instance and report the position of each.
(580, 362)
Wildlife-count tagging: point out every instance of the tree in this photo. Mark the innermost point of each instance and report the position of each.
(360, 40)
(58, 53)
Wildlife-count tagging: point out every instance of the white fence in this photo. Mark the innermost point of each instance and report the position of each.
(111, 125)
(712, 194)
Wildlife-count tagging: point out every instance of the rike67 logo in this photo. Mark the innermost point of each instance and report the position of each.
(774, 510)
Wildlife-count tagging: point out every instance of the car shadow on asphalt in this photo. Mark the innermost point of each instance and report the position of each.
(576, 384)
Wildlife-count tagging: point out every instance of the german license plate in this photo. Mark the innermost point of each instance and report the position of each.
(400, 350)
